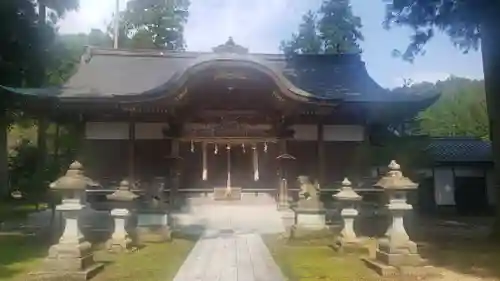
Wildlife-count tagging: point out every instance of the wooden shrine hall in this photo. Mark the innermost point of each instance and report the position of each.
(228, 120)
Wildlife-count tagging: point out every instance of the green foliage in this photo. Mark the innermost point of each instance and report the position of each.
(17, 27)
(27, 52)
(460, 19)
(460, 111)
(58, 8)
(334, 29)
(307, 40)
(157, 23)
(29, 46)
(339, 29)
(66, 53)
(407, 151)
(98, 38)
(61, 148)
(23, 167)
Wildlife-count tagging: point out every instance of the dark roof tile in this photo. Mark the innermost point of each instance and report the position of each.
(107, 72)
(460, 150)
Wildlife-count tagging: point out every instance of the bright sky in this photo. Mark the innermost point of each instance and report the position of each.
(260, 25)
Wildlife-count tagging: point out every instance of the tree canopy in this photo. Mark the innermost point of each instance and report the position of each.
(307, 40)
(27, 52)
(460, 111)
(460, 19)
(156, 23)
(333, 29)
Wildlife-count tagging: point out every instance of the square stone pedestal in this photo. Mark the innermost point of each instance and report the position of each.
(68, 262)
(383, 269)
(220, 194)
(313, 219)
(390, 264)
(153, 227)
(308, 223)
(350, 247)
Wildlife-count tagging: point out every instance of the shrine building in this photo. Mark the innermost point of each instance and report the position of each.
(228, 119)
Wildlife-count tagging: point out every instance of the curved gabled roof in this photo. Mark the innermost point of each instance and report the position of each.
(179, 78)
(138, 75)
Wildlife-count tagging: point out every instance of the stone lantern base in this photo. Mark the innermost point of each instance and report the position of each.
(347, 246)
(397, 254)
(68, 262)
(120, 240)
(383, 269)
(120, 245)
(400, 260)
(153, 227)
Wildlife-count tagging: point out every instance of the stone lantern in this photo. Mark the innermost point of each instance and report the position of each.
(122, 198)
(348, 199)
(395, 250)
(72, 257)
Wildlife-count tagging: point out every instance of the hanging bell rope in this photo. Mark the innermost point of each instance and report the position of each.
(243, 147)
(192, 147)
(204, 159)
(216, 149)
(265, 147)
(255, 163)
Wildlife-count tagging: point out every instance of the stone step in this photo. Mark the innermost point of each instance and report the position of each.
(246, 199)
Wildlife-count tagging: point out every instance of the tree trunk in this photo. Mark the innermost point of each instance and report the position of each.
(490, 45)
(4, 172)
(57, 143)
(41, 120)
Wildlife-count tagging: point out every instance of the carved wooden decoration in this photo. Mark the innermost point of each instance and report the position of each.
(226, 75)
(230, 47)
(278, 96)
(182, 94)
(226, 129)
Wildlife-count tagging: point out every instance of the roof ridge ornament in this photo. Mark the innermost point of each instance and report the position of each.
(230, 47)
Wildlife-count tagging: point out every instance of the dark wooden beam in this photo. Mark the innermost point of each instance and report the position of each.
(321, 153)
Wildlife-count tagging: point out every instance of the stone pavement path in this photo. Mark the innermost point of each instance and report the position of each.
(230, 257)
(231, 248)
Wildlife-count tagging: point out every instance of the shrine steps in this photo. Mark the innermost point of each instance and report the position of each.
(246, 199)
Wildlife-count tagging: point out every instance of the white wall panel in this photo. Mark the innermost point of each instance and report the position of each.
(330, 132)
(149, 131)
(306, 132)
(106, 130)
(343, 133)
(444, 186)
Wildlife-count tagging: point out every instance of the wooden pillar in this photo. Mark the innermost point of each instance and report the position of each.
(131, 153)
(78, 129)
(204, 174)
(283, 202)
(321, 154)
(228, 180)
(175, 168)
